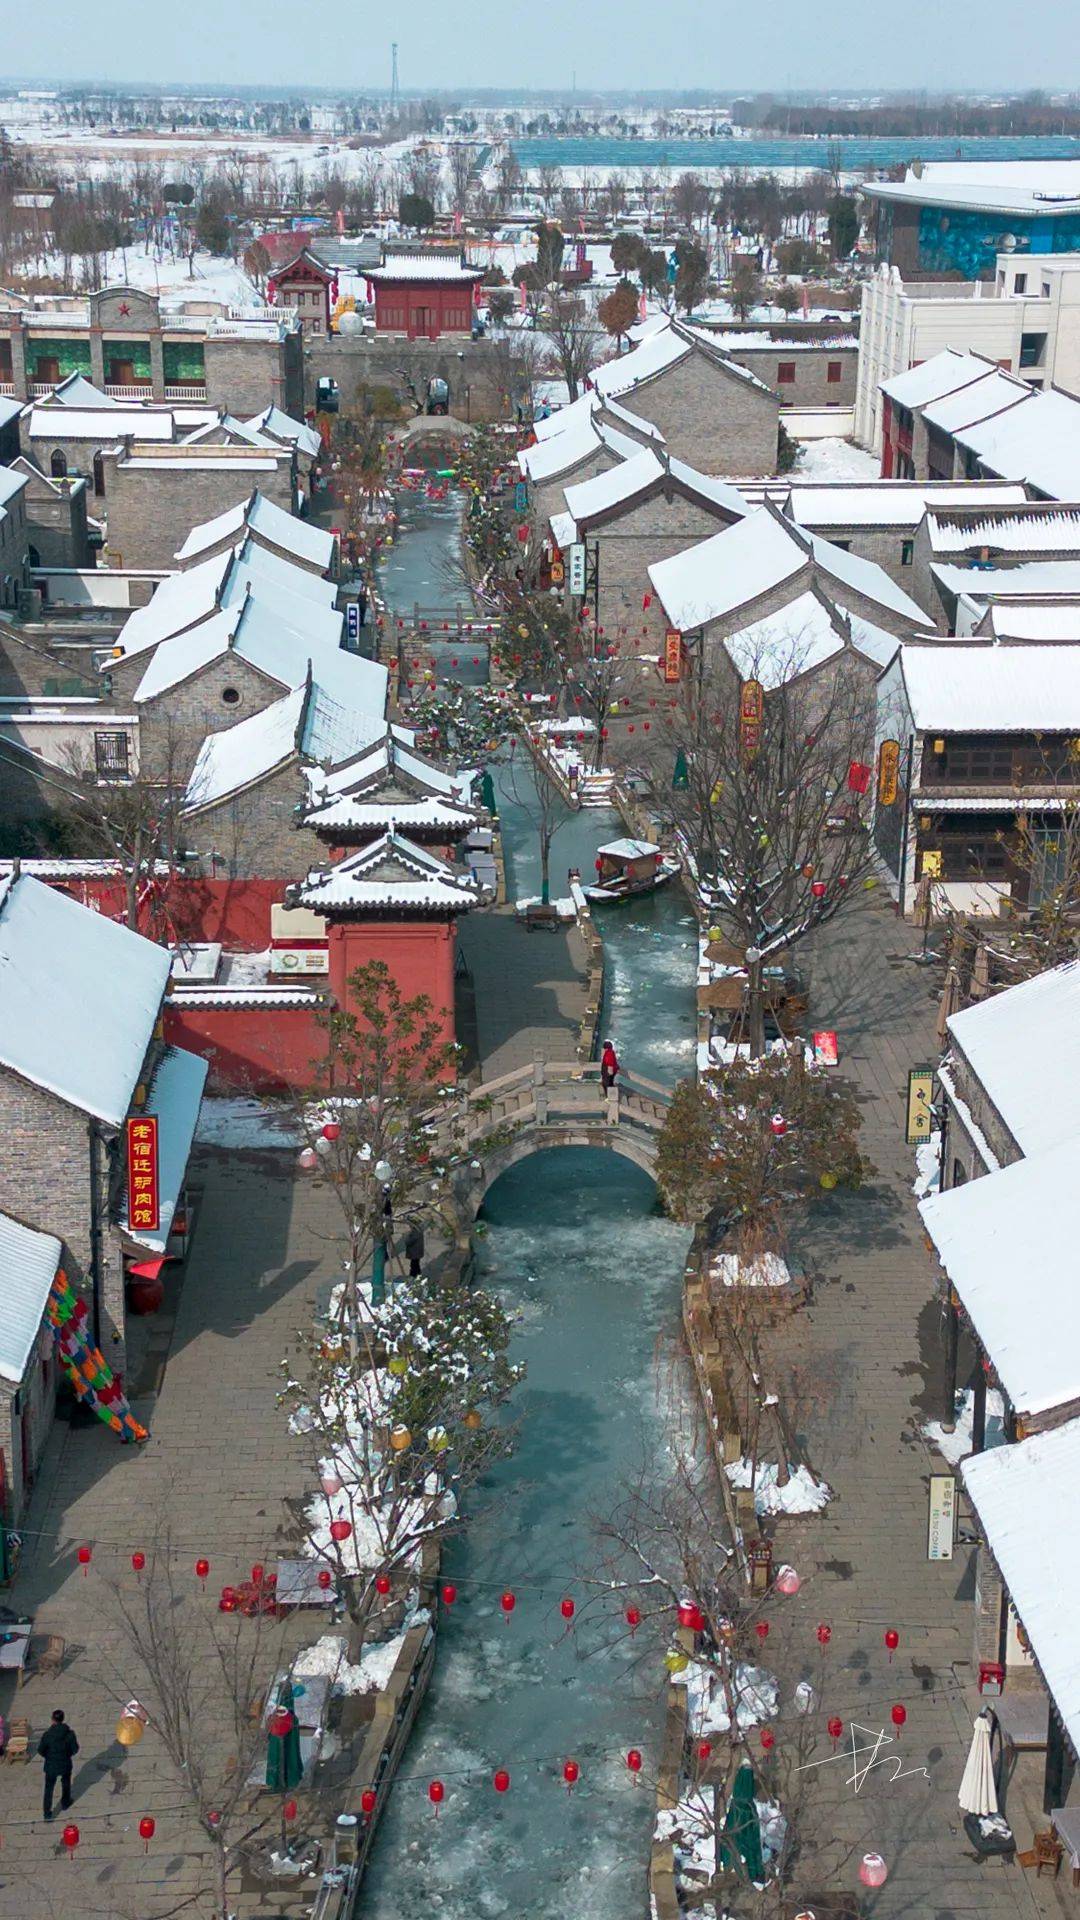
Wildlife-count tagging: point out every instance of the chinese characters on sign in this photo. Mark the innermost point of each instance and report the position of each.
(939, 1545)
(672, 655)
(352, 620)
(826, 1048)
(521, 496)
(558, 573)
(751, 714)
(888, 778)
(144, 1200)
(920, 1092)
(577, 567)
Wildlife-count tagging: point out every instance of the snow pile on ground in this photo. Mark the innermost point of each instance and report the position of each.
(768, 1270)
(754, 1689)
(801, 1493)
(927, 1167)
(564, 908)
(328, 1658)
(239, 1122)
(691, 1829)
(956, 1446)
(835, 460)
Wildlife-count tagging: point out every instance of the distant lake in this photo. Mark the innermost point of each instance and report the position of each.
(604, 152)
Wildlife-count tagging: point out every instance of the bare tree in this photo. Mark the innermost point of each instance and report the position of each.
(575, 340)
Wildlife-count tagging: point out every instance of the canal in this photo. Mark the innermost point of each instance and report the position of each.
(589, 1273)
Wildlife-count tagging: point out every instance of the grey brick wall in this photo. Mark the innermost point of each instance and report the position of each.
(56, 525)
(811, 386)
(244, 376)
(632, 543)
(255, 835)
(711, 419)
(547, 497)
(174, 725)
(153, 504)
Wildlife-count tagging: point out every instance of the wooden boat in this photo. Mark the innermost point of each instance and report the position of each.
(626, 869)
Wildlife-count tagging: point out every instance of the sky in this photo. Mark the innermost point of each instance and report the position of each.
(610, 44)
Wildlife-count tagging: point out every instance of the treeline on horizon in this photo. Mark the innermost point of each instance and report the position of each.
(1030, 115)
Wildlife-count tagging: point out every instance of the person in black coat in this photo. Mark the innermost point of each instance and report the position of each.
(57, 1747)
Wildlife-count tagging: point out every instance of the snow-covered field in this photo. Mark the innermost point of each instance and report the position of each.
(835, 460)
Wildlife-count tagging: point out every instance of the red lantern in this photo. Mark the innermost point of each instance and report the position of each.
(340, 1530)
(778, 1125)
(508, 1602)
(280, 1722)
(603, 733)
(566, 1608)
(70, 1838)
(899, 1715)
(382, 1583)
(202, 1568)
(288, 1811)
(704, 1750)
(633, 1760)
(691, 1616)
(817, 888)
(147, 1830)
(768, 1739)
(645, 725)
(325, 1578)
(367, 1801)
(257, 1572)
(436, 1793)
(570, 1773)
(836, 1728)
(872, 1870)
(824, 1635)
(214, 1818)
(892, 1641)
(449, 1594)
(332, 1130)
(787, 1581)
(138, 1561)
(501, 1780)
(229, 1600)
(633, 1618)
(762, 1631)
(84, 1557)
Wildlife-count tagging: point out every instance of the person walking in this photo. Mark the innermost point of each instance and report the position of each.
(414, 1248)
(609, 1066)
(57, 1747)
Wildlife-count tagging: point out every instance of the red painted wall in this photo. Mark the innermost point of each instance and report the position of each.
(236, 912)
(423, 310)
(419, 954)
(249, 1051)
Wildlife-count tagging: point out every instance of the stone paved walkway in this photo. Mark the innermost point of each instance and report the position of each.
(214, 1476)
(862, 1367)
(529, 992)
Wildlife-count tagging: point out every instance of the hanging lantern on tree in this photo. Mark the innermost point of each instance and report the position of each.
(332, 1130)
(330, 1485)
(762, 1631)
(508, 1601)
(258, 1573)
(138, 1561)
(368, 1801)
(873, 1871)
(288, 1811)
(325, 1579)
(473, 1419)
(84, 1557)
(229, 1601)
(382, 1583)
(449, 1593)
(778, 1125)
(633, 1618)
(566, 1608)
(308, 1158)
(676, 1661)
(398, 1365)
(147, 1830)
(202, 1568)
(835, 1729)
(817, 888)
(400, 1438)
(129, 1729)
(691, 1616)
(570, 1773)
(436, 1793)
(70, 1838)
(340, 1530)
(788, 1581)
(633, 1760)
(824, 1635)
(768, 1739)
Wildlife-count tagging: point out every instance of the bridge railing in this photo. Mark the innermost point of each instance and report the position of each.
(548, 1093)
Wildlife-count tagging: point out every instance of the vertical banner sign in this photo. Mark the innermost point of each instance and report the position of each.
(888, 776)
(942, 1527)
(751, 714)
(521, 496)
(577, 567)
(672, 656)
(558, 573)
(352, 620)
(144, 1199)
(920, 1093)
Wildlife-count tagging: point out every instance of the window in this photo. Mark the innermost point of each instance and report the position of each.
(58, 464)
(230, 696)
(907, 550)
(835, 373)
(111, 756)
(959, 1174)
(1020, 283)
(1032, 349)
(99, 474)
(785, 373)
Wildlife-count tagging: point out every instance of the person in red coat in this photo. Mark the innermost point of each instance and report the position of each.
(609, 1066)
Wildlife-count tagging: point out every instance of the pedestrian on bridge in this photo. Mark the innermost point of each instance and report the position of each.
(609, 1066)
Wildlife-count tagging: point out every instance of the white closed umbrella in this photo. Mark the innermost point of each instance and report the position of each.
(977, 1792)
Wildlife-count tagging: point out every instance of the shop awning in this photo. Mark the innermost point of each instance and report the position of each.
(175, 1097)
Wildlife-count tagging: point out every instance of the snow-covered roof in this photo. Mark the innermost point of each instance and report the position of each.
(175, 1096)
(391, 875)
(563, 530)
(105, 427)
(239, 756)
(1023, 1047)
(792, 640)
(646, 428)
(982, 400)
(210, 533)
(79, 996)
(1038, 442)
(183, 654)
(337, 728)
(1026, 581)
(78, 391)
(974, 196)
(956, 688)
(28, 1264)
(422, 266)
(1050, 527)
(281, 426)
(1034, 620)
(283, 530)
(272, 575)
(1022, 1495)
(565, 419)
(654, 356)
(613, 488)
(357, 813)
(1007, 1242)
(866, 578)
(628, 849)
(876, 642)
(892, 503)
(943, 373)
(367, 769)
(727, 571)
(180, 601)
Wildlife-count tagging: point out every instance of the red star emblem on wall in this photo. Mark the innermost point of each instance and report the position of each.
(124, 308)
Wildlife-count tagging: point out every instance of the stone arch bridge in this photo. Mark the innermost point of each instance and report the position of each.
(553, 1104)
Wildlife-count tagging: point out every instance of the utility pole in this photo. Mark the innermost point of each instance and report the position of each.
(395, 96)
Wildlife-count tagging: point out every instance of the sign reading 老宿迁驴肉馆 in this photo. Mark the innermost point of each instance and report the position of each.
(672, 656)
(144, 1200)
(888, 773)
(939, 1542)
(751, 715)
(920, 1094)
(577, 567)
